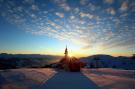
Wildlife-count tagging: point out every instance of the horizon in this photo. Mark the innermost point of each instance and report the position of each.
(69, 55)
(87, 27)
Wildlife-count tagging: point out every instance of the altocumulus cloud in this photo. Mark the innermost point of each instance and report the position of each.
(86, 23)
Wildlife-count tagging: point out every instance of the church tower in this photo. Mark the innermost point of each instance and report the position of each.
(66, 52)
(70, 63)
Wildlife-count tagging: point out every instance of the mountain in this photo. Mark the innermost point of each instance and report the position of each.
(8, 61)
(107, 61)
(6, 56)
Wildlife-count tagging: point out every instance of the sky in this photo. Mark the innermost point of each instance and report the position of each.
(87, 27)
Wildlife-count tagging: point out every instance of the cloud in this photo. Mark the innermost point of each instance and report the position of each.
(124, 15)
(109, 1)
(34, 7)
(86, 47)
(91, 6)
(29, 1)
(33, 16)
(76, 10)
(124, 6)
(82, 14)
(61, 15)
(20, 8)
(72, 17)
(83, 2)
(80, 26)
(111, 11)
(63, 4)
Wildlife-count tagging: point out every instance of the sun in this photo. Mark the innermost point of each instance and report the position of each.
(70, 55)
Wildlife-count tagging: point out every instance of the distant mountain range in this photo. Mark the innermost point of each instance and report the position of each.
(8, 61)
(37, 60)
(5, 55)
(103, 56)
(107, 61)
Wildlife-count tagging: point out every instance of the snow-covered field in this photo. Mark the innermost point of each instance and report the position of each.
(102, 78)
(24, 78)
(107, 78)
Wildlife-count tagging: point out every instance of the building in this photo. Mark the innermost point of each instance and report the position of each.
(70, 63)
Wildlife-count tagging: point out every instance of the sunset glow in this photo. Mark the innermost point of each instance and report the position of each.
(87, 27)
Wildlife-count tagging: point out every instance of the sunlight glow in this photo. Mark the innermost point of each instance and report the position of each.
(70, 55)
(87, 28)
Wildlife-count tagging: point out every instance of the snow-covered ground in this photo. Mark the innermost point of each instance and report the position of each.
(24, 78)
(46, 78)
(107, 78)
(69, 80)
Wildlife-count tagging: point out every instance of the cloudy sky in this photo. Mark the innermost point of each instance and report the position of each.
(87, 27)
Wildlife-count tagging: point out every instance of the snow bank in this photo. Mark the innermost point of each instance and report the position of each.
(111, 78)
(24, 78)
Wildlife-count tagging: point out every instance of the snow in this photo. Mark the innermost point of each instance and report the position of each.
(24, 78)
(47, 78)
(69, 80)
(107, 78)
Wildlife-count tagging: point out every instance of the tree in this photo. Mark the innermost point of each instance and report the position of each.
(133, 56)
(97, 62)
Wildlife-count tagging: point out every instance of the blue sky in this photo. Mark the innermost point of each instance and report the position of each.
(87, 26)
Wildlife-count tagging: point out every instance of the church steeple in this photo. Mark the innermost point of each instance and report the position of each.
(66, 52)
(69, 63)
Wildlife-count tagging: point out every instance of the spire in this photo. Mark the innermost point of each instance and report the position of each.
(66, 51)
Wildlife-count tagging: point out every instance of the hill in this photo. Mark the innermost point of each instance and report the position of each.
(9, 61)
(107, 61)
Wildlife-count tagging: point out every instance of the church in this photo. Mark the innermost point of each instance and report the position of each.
(70, 63)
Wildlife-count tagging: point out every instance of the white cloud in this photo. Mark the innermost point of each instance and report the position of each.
(33, 16)
(111, 11)
(82, 14)
(124, 6)
(82, 22)
(124, 15)
(76, 10)
(109, 1)
(61, 15)
(34, 7)
(83, 2)
(20, 8)
(77, 29)
(72, 17)
(29, 1)
(91, 6)
(63, 4)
